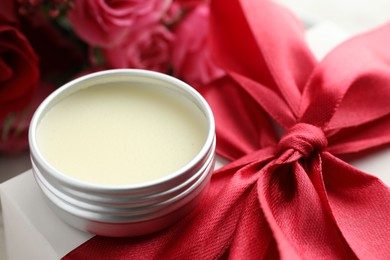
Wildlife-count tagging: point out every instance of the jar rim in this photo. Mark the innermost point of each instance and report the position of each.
(113, 74)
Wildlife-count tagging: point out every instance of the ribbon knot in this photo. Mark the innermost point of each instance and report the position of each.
(304, 138)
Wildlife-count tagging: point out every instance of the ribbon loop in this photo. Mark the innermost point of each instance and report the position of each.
(304, 138)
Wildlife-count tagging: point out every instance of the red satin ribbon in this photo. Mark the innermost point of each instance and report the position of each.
(291, 198)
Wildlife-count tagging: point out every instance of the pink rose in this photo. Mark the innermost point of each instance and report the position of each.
(19, 76)
(106, 23)
(146, 49)
(191, 59)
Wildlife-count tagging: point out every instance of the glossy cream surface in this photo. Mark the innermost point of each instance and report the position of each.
(120, 134)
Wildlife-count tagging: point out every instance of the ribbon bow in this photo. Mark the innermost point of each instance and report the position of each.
(289, 197)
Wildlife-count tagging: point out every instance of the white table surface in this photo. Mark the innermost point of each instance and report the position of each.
(352, 16)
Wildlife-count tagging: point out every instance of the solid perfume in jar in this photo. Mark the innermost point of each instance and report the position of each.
(123, 152)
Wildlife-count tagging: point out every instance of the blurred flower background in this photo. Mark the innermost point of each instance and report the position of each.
(45, 43)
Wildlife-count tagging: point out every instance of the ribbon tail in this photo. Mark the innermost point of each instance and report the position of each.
(294, 209)
(253, 238)
(359, 204)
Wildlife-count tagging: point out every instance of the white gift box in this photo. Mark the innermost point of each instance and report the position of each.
(33, 231)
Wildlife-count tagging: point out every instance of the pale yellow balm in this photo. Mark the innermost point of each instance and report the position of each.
(116, 134)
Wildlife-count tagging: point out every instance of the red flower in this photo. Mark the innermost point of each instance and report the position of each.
(19, 76)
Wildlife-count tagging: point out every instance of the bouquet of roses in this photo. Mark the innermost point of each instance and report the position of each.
(45, 43)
